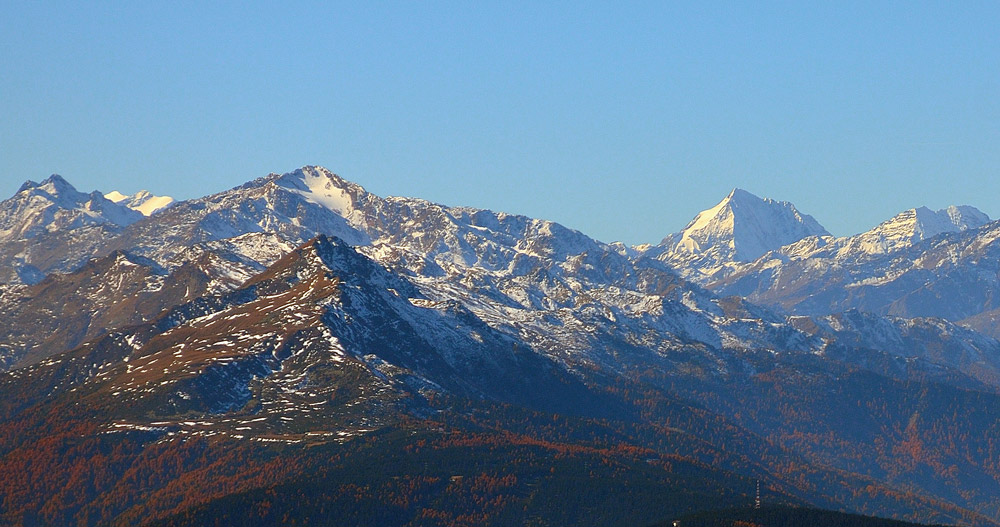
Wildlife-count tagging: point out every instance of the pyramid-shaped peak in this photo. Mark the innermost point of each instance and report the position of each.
(57, 189)
(325, 255)
(743, 227)
(741, 197)
(56, 180)
(54, 184)
(738, 194)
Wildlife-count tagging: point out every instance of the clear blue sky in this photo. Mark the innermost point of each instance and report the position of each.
(621, 121)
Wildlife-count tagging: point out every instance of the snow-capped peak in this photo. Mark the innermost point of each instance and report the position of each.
(55, 189)
(742, 227)
(913, 225)
(319, 186)
(322, 187)
(966, 217)
(952, 219)
(55, 205)
(142, 201)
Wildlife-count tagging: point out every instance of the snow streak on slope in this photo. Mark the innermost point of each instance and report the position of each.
(321, 188)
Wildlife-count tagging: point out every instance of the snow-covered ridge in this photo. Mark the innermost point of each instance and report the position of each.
(747, 234)
(912, 226)
(920, 263)
(896, 234)
(142, 201)
(55, 205)
(568, 296)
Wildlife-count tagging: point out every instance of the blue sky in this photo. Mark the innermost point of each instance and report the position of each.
(622, 121)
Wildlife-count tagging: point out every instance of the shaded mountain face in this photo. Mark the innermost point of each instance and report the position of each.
(529, 278)
(323, 345)
(483, 250)
(299, 310)
(120, 290)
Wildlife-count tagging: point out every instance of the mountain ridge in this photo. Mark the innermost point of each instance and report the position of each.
(299, 311)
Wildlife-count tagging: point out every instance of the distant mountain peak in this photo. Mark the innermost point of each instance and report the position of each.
(967, 214)
(55, 186)
(739, 194)
(142, 201)
(321, 186)
(56, 204)
(914, 225)
(743, 226)
(926, 222)
(56, 180)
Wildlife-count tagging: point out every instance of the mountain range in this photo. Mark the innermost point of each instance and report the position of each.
(275, 338)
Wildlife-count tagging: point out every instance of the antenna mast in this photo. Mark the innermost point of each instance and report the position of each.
(756, 502)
